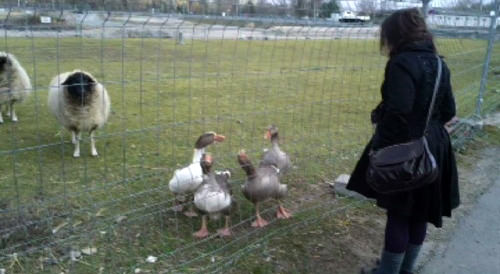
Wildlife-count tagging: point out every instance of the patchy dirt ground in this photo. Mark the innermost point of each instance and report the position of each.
(353, 238)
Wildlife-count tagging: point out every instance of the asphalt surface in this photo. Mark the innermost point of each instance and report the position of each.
(475, 244)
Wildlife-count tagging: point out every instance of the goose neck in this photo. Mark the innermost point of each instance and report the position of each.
(198, 153)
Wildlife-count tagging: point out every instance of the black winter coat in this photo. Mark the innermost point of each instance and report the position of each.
(400, 117)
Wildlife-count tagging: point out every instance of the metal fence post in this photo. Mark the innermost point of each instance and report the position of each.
(491, 42)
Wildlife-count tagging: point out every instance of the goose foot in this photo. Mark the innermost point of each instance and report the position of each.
(225, 232)
(177, 208)
(202, 233)
(283, 213)
(259, 222)
(190, 213)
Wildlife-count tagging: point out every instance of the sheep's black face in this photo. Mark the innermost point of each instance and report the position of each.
(4, 62)
(79, 86)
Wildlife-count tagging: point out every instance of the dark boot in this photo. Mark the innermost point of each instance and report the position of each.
(390, 263)
(371, 270)
(410, 258)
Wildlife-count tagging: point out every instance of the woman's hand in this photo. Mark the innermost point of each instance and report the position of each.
(376, 114)
(450, 125)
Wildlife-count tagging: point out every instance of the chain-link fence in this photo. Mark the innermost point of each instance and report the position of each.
(171, 78)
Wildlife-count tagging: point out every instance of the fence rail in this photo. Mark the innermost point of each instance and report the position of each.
(171, 78)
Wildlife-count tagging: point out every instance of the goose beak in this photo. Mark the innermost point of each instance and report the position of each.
(219, 138)
(268, 135)
(242, 154)
(208, 158)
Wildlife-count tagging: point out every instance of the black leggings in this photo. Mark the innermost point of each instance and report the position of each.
(401, 230)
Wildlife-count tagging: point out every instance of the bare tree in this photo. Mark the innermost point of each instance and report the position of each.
(315, 5)
(367, 7)
(471, 5)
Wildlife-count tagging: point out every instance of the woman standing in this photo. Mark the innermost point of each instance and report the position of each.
(410, 75)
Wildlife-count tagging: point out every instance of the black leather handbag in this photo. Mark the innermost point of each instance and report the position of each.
(406, 166)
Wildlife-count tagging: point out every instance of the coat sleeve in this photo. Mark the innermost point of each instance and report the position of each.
(398, 98)
(447, 108)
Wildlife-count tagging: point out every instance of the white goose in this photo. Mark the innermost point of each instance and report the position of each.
(186, 180)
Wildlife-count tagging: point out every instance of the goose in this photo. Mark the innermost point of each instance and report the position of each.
(186, 180)
(262, 184)
(213, 197)
(15, 85)
(275, 156)
(80, 103)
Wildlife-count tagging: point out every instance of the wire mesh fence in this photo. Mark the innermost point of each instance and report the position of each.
(171, 78)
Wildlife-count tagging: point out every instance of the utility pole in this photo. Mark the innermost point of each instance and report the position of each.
(425, 7)
(487, 59)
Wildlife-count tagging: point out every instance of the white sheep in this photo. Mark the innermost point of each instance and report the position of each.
(15, 84)
(80, 103)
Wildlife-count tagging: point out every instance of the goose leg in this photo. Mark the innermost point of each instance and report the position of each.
(282, 212)
(203, 232)
(225, 232)
(190, 212)
(177, 205)
(13, 115)
(93, 151)
(76, 140)
(259, 221)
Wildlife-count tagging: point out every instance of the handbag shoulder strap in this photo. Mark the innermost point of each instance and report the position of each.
(436, 87)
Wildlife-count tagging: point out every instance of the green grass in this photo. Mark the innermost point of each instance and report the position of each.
(319, 93)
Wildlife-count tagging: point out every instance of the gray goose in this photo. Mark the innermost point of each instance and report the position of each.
(275, 156)
(262, 184)
(213, 197)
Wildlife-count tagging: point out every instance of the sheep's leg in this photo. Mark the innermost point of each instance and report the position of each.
(73, 137)
(13, 115)
(93, 151)
(76, 137)
(1, 118)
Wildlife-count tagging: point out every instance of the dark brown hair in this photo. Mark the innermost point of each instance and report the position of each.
(403, 27)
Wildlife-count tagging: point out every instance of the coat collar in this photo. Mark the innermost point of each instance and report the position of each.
(425, 46)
